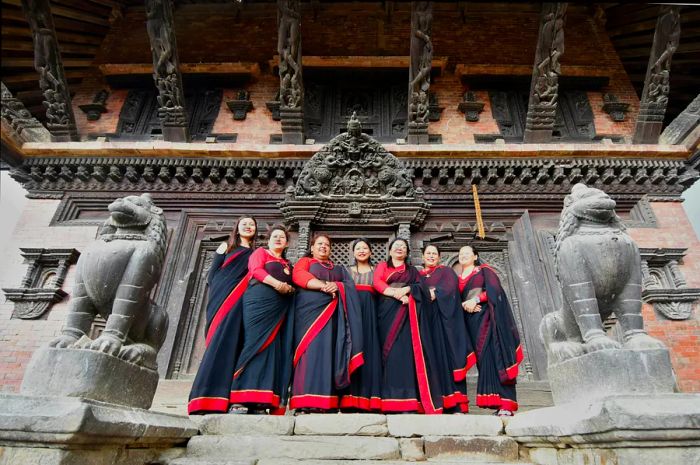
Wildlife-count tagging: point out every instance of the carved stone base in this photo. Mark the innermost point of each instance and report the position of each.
(537, 136)
(176, 134)
(646, 132)
(292, 126)
(68, 430)
(611, 372)
(91, 375)
(417, 133)
(622, 430)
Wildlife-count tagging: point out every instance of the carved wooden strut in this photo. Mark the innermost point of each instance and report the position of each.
(290, 71)
(419, 72)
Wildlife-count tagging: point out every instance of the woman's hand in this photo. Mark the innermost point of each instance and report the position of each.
(404, 299)
(471, 306)
(283, 288)
(330, 287)
(432, 293)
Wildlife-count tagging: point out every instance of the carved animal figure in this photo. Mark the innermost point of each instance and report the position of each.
(114, 278)
(599, 269)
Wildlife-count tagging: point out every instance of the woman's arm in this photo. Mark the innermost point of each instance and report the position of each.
(256, 266)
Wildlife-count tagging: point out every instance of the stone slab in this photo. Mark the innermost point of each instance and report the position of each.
(95, 456)
(663, 419)
(226, 424)
(471, 449)
(444, 425)
(30, 420)
(199, 461)
(623, 371)
(294, 447)
(412, 449)
(355, 424)
(375, 462)
(617, 456)
(89, 374)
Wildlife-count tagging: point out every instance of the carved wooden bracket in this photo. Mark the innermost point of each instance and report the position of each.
(613, 107)
(41, 285)
(470, 107)
(241, 105)
(664, 285)
(98, 106)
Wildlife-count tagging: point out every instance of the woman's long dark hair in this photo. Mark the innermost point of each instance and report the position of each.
(352, 249)
(235, 238)
(314, 238)
(389, 261)
(279, 227)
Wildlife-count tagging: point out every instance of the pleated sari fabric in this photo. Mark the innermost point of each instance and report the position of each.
(228, 280)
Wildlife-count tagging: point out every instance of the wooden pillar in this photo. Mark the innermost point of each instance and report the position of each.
(544, 88)
(419, 71)
(166, 71)
(290, 70)
(652, 106)
(60, 120)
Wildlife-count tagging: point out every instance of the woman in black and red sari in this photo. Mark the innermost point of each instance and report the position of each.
(452, 342)
(228, 279)
(493, 332)
(411, 379)
(364, 393)
(327, 331)
(263, 371)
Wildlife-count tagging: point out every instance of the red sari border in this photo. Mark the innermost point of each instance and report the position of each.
(227, 306)
(421, 369)
(313, 401)
(208, 404)
(314, 329)
(254, 396)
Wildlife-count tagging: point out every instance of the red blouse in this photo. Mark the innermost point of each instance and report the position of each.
(463, 282)
(382, 273)
(257, 261)
(301, 274)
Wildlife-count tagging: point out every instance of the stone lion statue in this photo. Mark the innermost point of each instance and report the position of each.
(114, 278)
(599, 269)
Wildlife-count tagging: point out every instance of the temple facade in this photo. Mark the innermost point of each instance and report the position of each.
(219, 109)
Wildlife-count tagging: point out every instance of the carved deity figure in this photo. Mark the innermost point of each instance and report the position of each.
(421, 61)
(599, 269)
(669, 31)
(114, 278)
(546, 85)
(289, 50)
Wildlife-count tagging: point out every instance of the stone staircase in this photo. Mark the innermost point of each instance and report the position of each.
(349, 439)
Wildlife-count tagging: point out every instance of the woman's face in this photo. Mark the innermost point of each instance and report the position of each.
(398, 251)
(321, 248)
(466, 256)
(431, 256)
(278, 240)
(361, 252)
(246, 228)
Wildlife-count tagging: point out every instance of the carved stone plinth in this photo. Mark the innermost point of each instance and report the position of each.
(292, 125)
(611, 372)
(91, 375)
(417, 133)
(539, 123)
(69, 430)
(624, 430)
(649, 123)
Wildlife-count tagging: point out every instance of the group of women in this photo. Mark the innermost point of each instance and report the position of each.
(322, 338)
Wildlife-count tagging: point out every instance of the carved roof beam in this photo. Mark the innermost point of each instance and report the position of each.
(19, 123)
(685, 129)
(290, 71)
(166, 71)
(652, 106)
(544, 88)
(60, 120)
(419, 71)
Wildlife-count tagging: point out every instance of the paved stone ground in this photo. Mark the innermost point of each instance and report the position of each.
(171, 396)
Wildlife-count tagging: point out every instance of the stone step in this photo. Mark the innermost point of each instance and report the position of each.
(228, 424)
(371, 462)
(200, 461)
(171, 396)
(294, 447)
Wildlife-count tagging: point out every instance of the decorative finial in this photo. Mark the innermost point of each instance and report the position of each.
(354, 125)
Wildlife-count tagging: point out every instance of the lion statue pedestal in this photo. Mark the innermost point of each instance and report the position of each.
(614, 396)
(84, 400)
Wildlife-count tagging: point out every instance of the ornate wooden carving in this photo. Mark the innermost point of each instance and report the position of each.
(41, 285)
(290, 71)
(419, 72)
(664, 285)
(26, 128)
(60, 120)
(544, 88)
(652, 106)
(470, 107)
(683, 125)
(241, 105)
(352, 179)
(614, 107)
(98, 106)
(166, 72)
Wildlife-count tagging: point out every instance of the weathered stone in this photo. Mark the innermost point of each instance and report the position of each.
(471, 449)
(411, 449)
(616, 372)
(619, 456)
(354, 424)
(295, 447)
(69, 420)
(668, 420)
(97, 456)
(91, 375)
(444, 425)
(246, 425)
(364, 462)
(200, 461)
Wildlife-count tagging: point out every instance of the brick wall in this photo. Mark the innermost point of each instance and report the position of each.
(492, 37)
(681, 337)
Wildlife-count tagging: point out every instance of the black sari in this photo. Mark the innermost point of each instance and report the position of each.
(263, 371)
(327, 337)
(228, 279)
(413, 377)
(447, 324)
(495, 338)
(365, 388)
